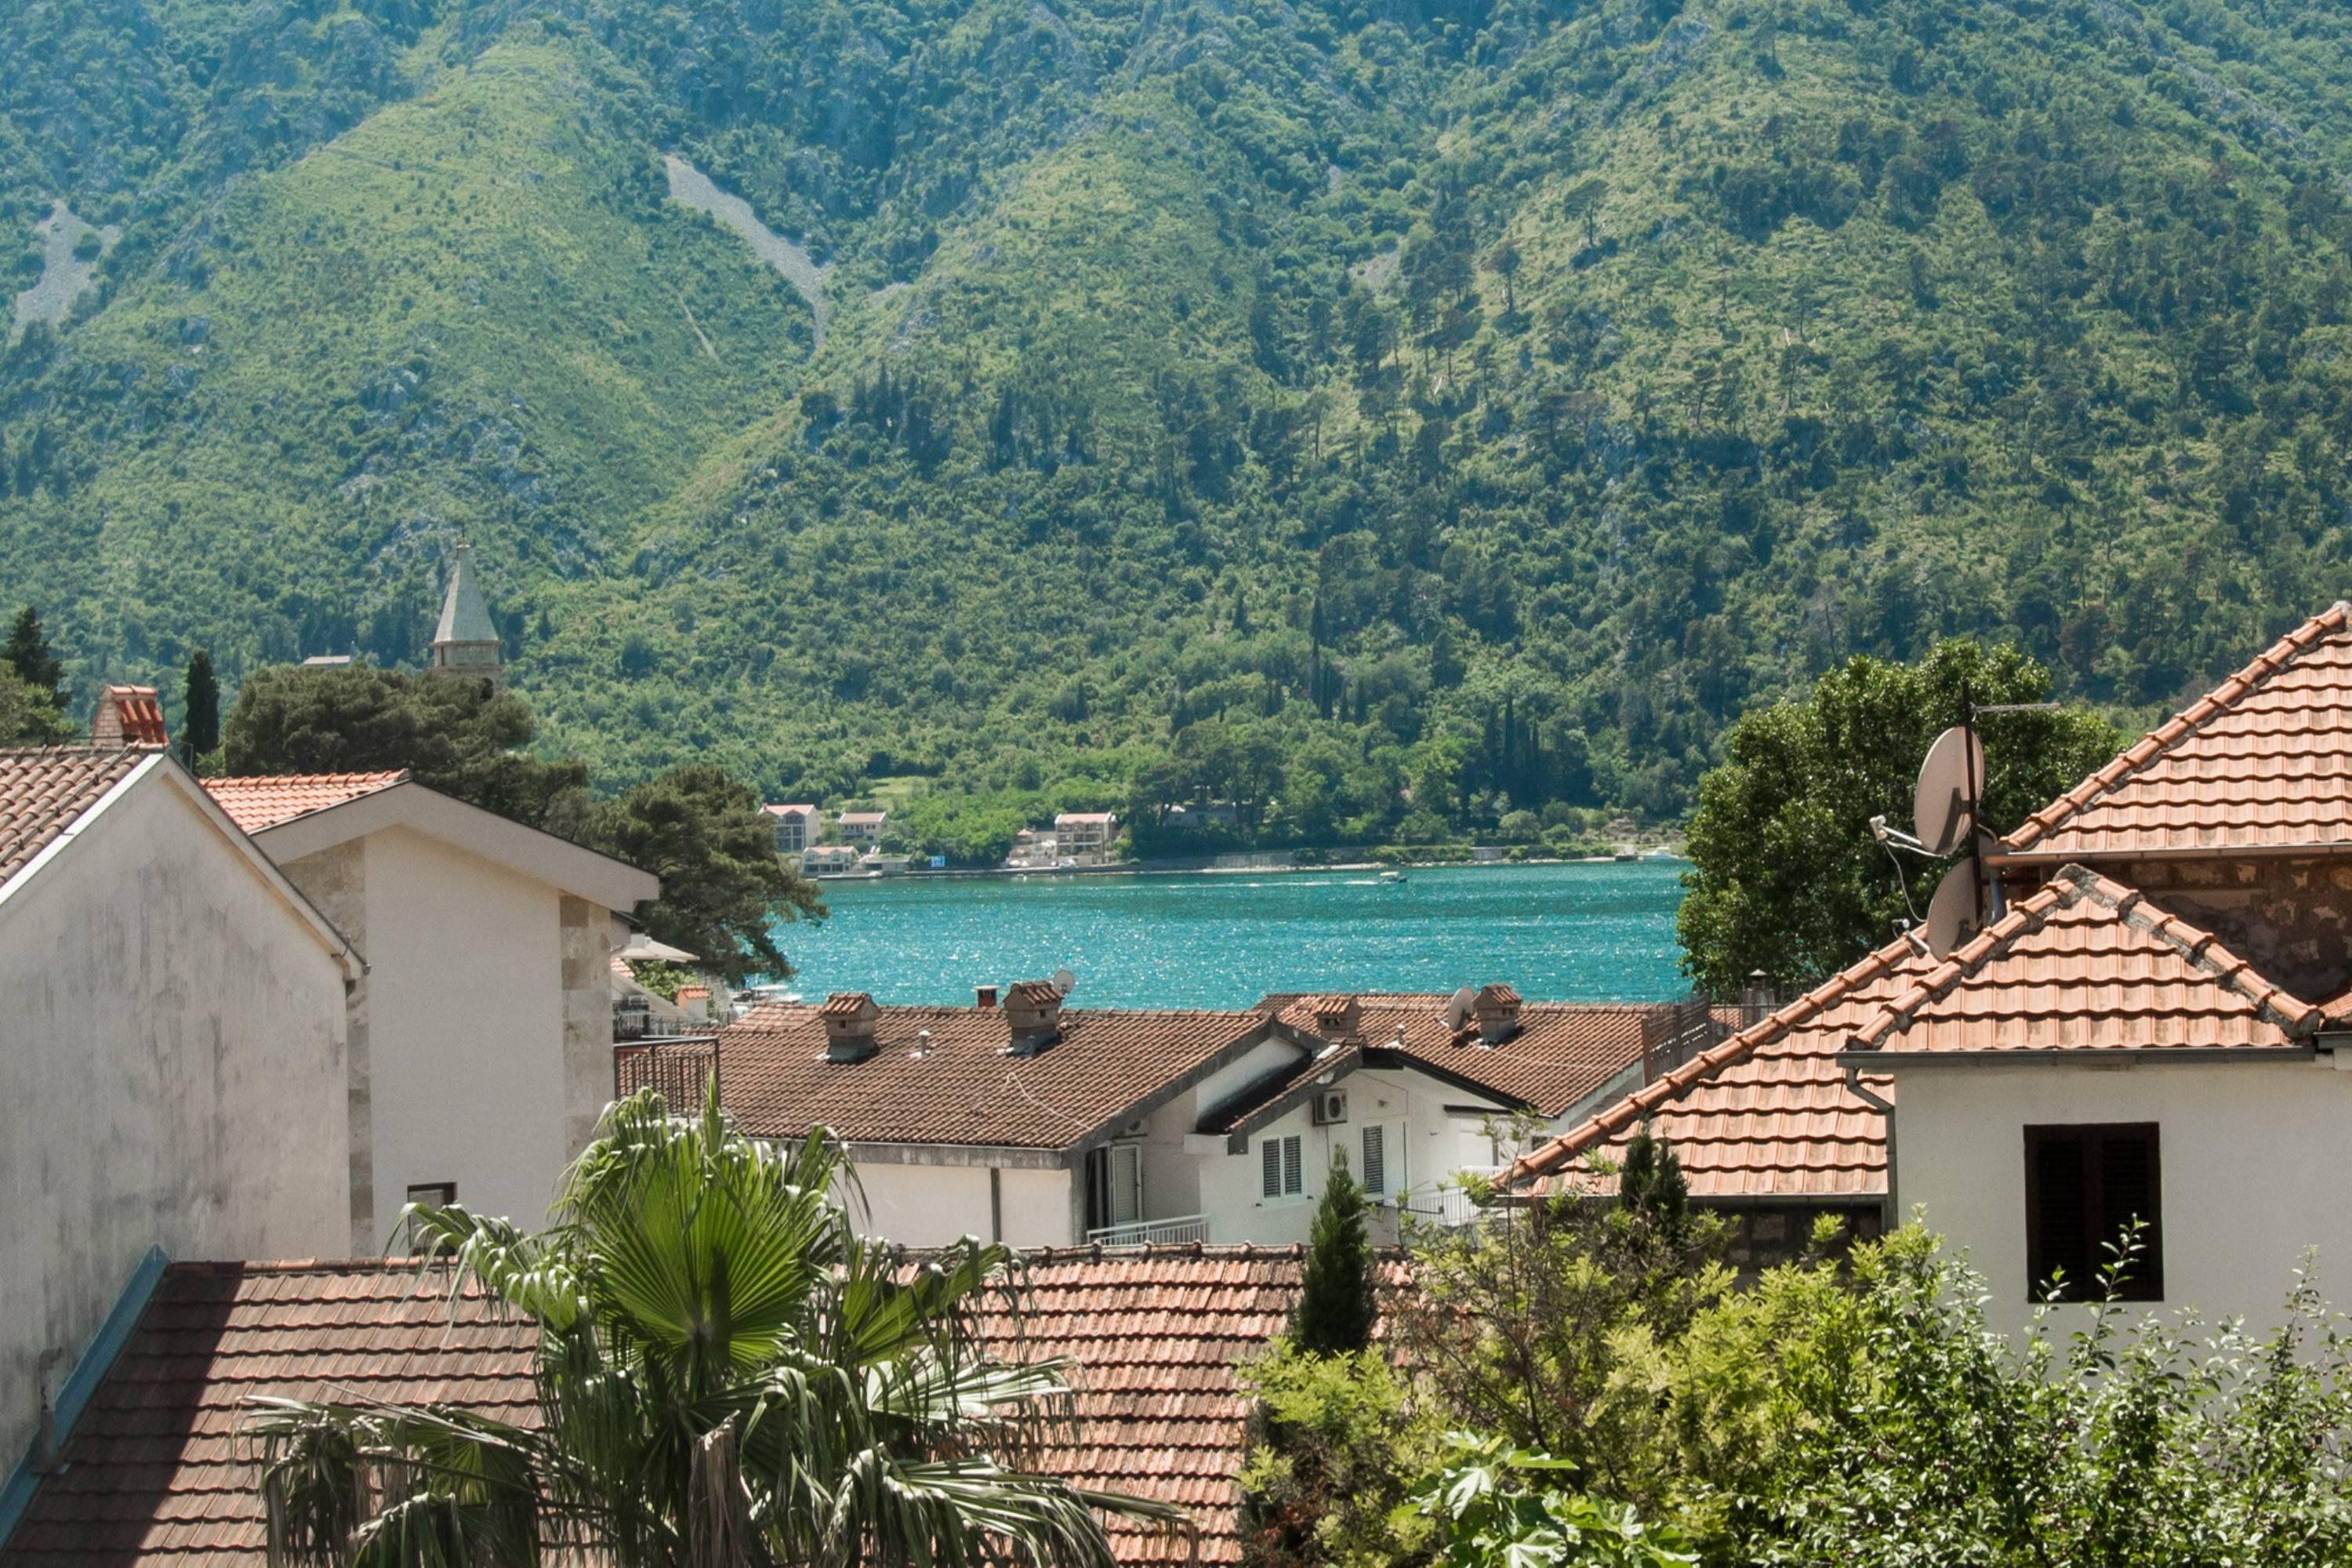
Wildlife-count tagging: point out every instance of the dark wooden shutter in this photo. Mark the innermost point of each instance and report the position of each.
(2083, 1186)
(1271, 1156)
(1294, 1174)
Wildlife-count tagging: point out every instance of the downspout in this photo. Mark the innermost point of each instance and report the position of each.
(1889, 1216)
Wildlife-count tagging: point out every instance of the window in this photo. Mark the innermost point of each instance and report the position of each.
(1376, 1166)
(440, 1196)
(1285, 1169)
(1114, 1186)
(2083, 1186)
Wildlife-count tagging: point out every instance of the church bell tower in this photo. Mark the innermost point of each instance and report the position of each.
(466, 643)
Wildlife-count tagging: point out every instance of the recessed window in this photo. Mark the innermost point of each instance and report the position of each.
(1376, 1163)
(2084, 1185)
(1283, 1162)
(440, 1196)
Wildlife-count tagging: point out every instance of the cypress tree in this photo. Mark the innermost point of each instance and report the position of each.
(200, 732)
(27, 652)
(1334, 1308)
(1651, 1184)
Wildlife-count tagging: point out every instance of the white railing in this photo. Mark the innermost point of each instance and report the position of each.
(1449, 1203)
(1152, 1232)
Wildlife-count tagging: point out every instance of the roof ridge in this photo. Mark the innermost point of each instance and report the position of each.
(2156, 741)
(1667, 1086)
(2075, 884)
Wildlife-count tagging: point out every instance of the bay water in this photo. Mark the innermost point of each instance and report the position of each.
(1598, 932)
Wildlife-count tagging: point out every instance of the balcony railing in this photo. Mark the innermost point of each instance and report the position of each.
(1448, 1204)
(1152, 1232)
(681, 1069)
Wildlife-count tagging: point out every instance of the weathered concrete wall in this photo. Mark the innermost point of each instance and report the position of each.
(931, 1205)
(172, 1075)
(2292, 919)
(335, 881)
(587, 1019)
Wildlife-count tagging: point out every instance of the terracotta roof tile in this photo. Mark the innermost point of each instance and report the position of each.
(2263, 760)
(1767, 1114)
(1562, 1051)
(156, 1472)
(2087, 963)
(967, 1088)
(43, 789)
(266, 800)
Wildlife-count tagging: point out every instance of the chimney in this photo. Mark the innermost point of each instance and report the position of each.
(1496, 1008)
(1756, 998)
(1032, 1015)
(983, 997)
(850, 1019)
(128, 716)
(1338, 1018)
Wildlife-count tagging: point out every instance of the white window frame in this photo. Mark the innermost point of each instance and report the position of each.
(1282, 1168)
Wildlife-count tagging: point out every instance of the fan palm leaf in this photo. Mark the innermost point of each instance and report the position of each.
(727, 1376)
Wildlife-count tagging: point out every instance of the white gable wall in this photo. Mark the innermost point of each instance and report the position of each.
(2252, 1157)
(172, 1075)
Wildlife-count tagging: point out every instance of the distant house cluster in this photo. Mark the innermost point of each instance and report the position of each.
(850, 844)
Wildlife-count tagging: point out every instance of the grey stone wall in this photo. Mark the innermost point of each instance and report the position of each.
(2292, 919)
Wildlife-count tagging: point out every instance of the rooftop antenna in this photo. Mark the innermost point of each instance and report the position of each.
(1458, 1007)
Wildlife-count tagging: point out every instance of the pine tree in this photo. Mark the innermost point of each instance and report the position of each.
(1651, 1184)
(1334, 1308)
(200, 731)
(27, 652)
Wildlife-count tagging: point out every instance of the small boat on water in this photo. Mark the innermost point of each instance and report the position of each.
(1392, 878)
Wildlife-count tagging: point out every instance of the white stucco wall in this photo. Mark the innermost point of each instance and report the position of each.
(2253, 1169)
(465, 1020)
(1426, 1146)
(931, 1205)
(173, 1076)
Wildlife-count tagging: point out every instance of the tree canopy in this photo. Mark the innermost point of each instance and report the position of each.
(1785, 875)
(1336, 1303)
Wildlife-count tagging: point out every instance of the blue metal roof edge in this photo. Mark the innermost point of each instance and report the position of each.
(74, 1396)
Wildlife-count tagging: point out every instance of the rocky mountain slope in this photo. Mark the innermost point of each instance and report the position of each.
(1293, 401)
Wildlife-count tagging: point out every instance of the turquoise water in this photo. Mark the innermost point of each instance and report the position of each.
(1582, 933)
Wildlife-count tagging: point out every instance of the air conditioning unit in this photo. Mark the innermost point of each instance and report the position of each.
(1330, 1106)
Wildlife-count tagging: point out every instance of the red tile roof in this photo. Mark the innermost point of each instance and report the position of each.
(2262, 762)
(1562, 1051)
(155, 1471)
(266, 800)
(43, 789)
(966, 1089)
(1765, 1115)
(2087, 964)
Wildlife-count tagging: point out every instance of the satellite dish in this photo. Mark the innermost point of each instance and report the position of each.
(1952, 916)
(1939, 807)
(1065, 982)
(1458, 1007)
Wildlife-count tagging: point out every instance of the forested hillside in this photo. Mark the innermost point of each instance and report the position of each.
(1355, 412)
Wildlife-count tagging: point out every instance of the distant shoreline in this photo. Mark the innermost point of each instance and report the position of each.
(1148, 869)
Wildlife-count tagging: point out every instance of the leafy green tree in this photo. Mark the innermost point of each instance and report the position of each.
(1489, 1514)
(200, 728)
(1651, 1184)
(27, 652)
(1336, 1307)
(1336, 1441)
(1785, 875)
(728, 1375)
(724, 887)
(27, 717)
(459, 736)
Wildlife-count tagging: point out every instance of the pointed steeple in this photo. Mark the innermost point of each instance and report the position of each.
(466, 643)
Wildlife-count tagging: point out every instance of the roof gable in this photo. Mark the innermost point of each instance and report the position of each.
(1767, 1114)
(2086, 964)
(2262, 762)
(259, 803)
(45, 789)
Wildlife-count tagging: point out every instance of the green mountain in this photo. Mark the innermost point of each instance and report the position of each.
(1421, 409)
